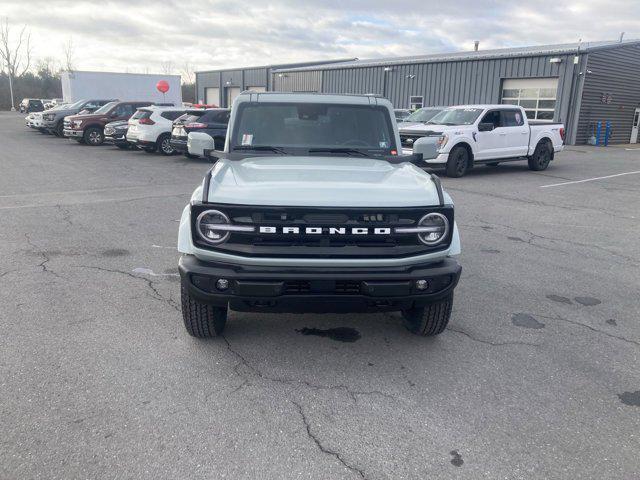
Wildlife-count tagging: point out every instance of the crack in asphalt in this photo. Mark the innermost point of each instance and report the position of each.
(7, 273)
(150, 283)
(533, 236)
(290, 381)
(43, 254)
(589, 327)
(493, 344)
(321, 447)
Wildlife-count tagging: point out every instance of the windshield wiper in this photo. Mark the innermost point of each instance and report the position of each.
(260, 148)
(346, 151)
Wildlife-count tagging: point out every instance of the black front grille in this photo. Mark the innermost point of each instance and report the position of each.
(296, 287)
(322, 287)
(347, 286)
(407, 141)
(334, 227)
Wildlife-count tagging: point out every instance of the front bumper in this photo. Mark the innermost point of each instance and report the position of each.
(117, 139)
(179, 146)
(306, 289)
(67, 132)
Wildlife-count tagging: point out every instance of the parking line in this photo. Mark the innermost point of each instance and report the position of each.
(588, 179)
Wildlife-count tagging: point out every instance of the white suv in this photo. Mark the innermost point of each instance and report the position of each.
(150, 128)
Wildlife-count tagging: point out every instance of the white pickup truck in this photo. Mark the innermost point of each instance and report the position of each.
(463, 136)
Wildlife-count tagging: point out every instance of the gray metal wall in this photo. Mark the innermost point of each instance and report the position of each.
(242, 78)
(614, 73)
(254, 77)
(443, 83)
(297, 82)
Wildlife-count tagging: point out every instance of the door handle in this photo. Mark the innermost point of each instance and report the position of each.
(502, 134)
(524, 133)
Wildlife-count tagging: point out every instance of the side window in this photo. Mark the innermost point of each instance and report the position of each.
(512, 118)
(124, 110)
(92, 105)
(222, 117)
(493, 117)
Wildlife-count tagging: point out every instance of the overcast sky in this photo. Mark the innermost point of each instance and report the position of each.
(139, 36)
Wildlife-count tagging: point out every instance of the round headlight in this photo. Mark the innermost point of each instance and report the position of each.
(436, 228)
(206, 224)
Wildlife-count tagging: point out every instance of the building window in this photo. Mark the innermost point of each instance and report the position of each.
(536, 95)
(416, 102)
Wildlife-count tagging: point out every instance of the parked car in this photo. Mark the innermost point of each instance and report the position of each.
(150, 128)
(115, 133)
(29, 119)
(310, 208)
(401, 114)
(89, 128)
(53, 120)
(28, 105)
(210, 126)
(47, 103)
(467, 135)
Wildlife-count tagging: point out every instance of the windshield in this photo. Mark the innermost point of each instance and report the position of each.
(422, 115)
(456, 116)
(313, 126)
(105, 108)
(76, 104)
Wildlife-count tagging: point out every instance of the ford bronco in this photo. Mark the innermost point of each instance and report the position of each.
(310, 208)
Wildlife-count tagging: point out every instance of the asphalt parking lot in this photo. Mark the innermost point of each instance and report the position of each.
(536, 377)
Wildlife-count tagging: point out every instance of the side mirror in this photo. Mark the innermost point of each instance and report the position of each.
(212, 155)
(485, 127)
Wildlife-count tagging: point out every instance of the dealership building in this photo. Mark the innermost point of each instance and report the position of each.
(579, 84)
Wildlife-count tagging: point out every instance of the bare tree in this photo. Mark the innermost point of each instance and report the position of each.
(68, 50)
(15, 55)
(188, 73)
(167, 67)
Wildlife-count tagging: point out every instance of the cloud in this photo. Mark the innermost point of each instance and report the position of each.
(141, 36)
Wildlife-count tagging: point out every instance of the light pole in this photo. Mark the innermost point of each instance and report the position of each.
(13, 108)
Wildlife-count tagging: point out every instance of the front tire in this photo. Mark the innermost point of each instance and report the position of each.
(201, 320)
(458, 162)
(429, 320)
(163, 144)
(93, 136)
(541, 157)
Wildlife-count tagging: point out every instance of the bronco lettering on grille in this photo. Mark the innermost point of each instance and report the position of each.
(326, 230)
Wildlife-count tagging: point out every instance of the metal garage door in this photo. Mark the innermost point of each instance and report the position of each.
(232, 93)
(212, 96)
(257, 89)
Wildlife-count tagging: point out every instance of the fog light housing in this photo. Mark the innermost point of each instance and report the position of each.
(222, 284)
(422, 284)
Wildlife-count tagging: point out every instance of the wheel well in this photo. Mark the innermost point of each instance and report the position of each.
(94, 125)
(467, 147)
(547, 141)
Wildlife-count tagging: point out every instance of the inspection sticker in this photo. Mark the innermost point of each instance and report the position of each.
(247, 139)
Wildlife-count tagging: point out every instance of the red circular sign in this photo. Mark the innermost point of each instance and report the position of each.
(162, 86)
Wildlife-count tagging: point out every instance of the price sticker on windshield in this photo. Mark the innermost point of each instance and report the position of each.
(247, 139)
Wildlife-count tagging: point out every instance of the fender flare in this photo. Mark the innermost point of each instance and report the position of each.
(464, 142)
